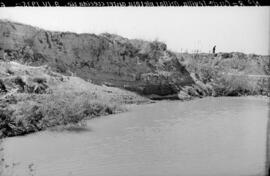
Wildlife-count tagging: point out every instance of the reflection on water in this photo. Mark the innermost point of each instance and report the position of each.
(210, 136)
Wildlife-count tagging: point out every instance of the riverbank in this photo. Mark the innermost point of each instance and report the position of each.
(36, 98)
(57, 78)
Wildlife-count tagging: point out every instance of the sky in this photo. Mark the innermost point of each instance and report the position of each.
(242, 29)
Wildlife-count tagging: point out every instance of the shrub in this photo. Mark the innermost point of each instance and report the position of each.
(39, 80)
(226, 55)
(64, 108)
(7, 122)
(48, 110)
(19, 82)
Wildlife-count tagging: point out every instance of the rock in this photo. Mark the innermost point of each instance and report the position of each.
(182, 95)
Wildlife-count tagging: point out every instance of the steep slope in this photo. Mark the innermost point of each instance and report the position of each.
(141, 66)
(35, 98)
(230, 73)
(145, 67)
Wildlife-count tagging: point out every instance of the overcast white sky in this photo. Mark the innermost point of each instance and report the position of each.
(244, 29)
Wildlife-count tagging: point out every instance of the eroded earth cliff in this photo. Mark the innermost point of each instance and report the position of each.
(145, 67)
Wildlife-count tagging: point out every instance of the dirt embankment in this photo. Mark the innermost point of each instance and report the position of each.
(144, 67)
(230, 74)
(147, 68)
(36, 98)
(58, 78)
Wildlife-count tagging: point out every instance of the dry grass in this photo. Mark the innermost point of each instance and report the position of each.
(30, 114)
(63, 100)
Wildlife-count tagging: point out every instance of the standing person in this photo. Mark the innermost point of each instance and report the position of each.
(214, 49)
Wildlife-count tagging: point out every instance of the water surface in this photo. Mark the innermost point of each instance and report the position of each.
(210, 136)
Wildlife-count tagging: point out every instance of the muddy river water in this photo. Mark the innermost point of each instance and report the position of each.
(223, 136)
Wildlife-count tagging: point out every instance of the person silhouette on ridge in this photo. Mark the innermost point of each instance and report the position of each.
(214, 49)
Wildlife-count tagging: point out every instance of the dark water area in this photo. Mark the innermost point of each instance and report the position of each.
(223, 136)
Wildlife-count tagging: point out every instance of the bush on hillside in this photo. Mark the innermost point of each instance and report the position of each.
(48, 110)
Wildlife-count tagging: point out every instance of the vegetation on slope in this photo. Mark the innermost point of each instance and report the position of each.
(35, 98)
(230, 74)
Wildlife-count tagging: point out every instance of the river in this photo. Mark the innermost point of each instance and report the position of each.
(223, 136)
